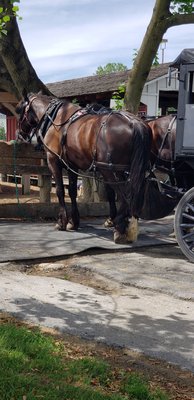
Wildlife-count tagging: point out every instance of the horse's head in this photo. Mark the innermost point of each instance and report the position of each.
(28, 120)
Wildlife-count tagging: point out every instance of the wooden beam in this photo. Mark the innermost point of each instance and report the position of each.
(6, 97)
(11, 108)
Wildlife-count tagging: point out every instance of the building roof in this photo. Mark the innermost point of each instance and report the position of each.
(99, 83)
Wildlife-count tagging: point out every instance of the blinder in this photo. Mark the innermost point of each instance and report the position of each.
(27, 124)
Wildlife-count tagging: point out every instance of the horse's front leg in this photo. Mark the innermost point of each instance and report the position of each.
(74, 222)
(57, 172)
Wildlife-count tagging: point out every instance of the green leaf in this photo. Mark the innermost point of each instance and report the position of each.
(6, 18)
(1, 9)
(15, 9)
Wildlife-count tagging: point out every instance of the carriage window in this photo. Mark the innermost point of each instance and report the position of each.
(190, 88)
(188, 137)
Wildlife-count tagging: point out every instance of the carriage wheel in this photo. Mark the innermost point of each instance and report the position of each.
(184, 224)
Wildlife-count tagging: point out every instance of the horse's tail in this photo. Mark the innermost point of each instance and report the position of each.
(140, 163)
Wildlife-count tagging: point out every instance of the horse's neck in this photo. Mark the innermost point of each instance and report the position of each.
(66, 111)
(40, 109)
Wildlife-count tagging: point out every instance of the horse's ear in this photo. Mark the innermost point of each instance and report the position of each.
(24, 94)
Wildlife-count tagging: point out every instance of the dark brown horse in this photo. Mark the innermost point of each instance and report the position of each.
(116, 144)
(163, 140)
(163, 153)
(164, 167)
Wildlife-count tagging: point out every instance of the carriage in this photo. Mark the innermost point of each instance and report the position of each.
(180, 186)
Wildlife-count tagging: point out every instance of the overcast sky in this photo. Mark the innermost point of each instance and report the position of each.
(68, 39)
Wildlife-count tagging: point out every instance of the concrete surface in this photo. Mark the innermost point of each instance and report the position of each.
(151, 311)
(153, 323)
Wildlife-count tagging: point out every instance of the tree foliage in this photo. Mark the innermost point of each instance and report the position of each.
(111, 67)
(5, 15)
(2, 133)
(182, 7)
(118, 97)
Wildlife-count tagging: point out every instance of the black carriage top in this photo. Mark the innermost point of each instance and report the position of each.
(185, 57)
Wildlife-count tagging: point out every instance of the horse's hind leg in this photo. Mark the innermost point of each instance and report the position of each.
(73, 224)
(132, 230)
(120, 224)
(124, 231)
(112, 206)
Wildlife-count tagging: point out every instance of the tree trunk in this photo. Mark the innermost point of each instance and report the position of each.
(161, 20)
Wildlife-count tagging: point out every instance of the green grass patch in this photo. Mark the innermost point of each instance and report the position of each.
(37, 366)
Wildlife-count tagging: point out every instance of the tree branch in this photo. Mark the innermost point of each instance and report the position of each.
(180, 19)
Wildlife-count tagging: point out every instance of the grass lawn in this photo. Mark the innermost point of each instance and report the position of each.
(37, 365)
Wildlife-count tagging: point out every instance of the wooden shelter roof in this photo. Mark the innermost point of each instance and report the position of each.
(99, 84)
(90, 85)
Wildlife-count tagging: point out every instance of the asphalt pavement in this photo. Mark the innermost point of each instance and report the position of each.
(151, 309)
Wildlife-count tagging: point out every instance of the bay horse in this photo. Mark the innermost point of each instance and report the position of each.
(115, 144)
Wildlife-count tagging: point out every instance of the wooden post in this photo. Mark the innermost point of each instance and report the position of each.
(4, 177)
(45, 183)
(25, 184)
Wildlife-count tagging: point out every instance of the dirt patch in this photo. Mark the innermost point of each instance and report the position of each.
(70, 270)
(10, 193)
(177, 383)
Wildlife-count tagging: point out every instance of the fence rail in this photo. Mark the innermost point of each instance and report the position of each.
(23, 159)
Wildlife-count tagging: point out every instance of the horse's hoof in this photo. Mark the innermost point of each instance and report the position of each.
(120, 238)
(58, 227)
(72, 227)
(109, 223)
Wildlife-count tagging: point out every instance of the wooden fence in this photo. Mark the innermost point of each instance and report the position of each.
(23, 160)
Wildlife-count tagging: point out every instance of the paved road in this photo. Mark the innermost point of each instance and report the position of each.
(151, 310)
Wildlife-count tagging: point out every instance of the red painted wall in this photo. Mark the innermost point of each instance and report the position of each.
(11, 127)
